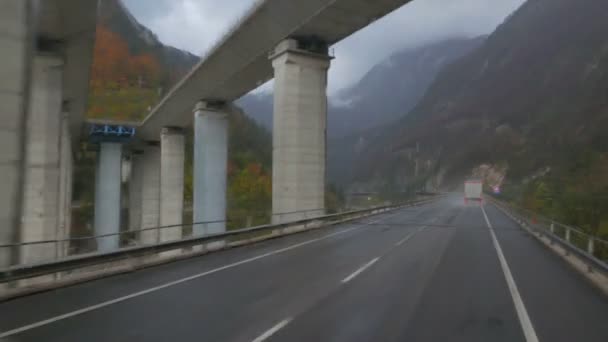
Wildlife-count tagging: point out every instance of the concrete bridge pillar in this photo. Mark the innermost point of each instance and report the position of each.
(135, 189)
(172, 145)
(42, 207)
(107, 195)
(150, 193)
(66, 169)
(210, 167)
(299, 130)
(17, 19)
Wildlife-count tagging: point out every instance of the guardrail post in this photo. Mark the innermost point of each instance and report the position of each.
(590, 246)
(568, 240)
(552, 228)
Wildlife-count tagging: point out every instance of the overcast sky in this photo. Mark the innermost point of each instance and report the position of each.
(194, 25)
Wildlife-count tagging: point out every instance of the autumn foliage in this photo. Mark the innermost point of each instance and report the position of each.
(122, 86)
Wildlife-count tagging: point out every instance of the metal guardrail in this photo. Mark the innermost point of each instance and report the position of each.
(592, 249)
(71, 263)
(305, 214)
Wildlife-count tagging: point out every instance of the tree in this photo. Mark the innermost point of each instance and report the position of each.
(249, 195)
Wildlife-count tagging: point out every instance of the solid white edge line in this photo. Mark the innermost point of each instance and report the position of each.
(160, 287)
(360, 270)
(272, 330)
(520, 308)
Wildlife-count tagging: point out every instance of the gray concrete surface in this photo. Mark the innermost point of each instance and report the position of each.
(299, 129)
(136, 175)
(107, 195)
(15, 21)
(210, 168)
(42, 168)
(26, 28)
(436, 277)
(172, 158)
(150, 193)
(66, 169)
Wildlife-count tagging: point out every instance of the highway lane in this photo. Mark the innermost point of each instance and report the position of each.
(461, 294)
(562, 305)
(379, 279)
(444, 285)
(210, 306)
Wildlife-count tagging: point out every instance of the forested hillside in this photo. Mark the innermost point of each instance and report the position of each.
(530, 105)
(389, 89)
(131, 69)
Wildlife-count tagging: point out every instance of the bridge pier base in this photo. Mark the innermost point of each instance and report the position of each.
(299, 133)
(107, 195)
(210, 167)
(172, 145)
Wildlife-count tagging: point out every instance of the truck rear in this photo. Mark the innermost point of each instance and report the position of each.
(473, 190)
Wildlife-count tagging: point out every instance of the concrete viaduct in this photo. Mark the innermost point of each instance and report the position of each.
(44, 81)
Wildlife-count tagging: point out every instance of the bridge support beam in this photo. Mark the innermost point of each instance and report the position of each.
(299, 133)
(16, 18)
(150, 193)
(210, 167)
(43, 210)
(107, 195)
(172, 144)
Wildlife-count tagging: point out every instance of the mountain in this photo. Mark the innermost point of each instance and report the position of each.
(383, 94)
(174, 62)
(529, 105)
(131, 68)
(394, 86)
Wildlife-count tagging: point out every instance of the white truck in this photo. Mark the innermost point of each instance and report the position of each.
(473, 190)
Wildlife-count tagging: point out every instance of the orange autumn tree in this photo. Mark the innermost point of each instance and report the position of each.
(144, 68)
(122, 86)
(110, 59)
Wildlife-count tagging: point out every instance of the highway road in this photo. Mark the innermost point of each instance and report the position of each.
(437, 272)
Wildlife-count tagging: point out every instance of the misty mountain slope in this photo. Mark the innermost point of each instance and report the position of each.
(532, 96)
(259, 107)
(394, 86)
(384, 93)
